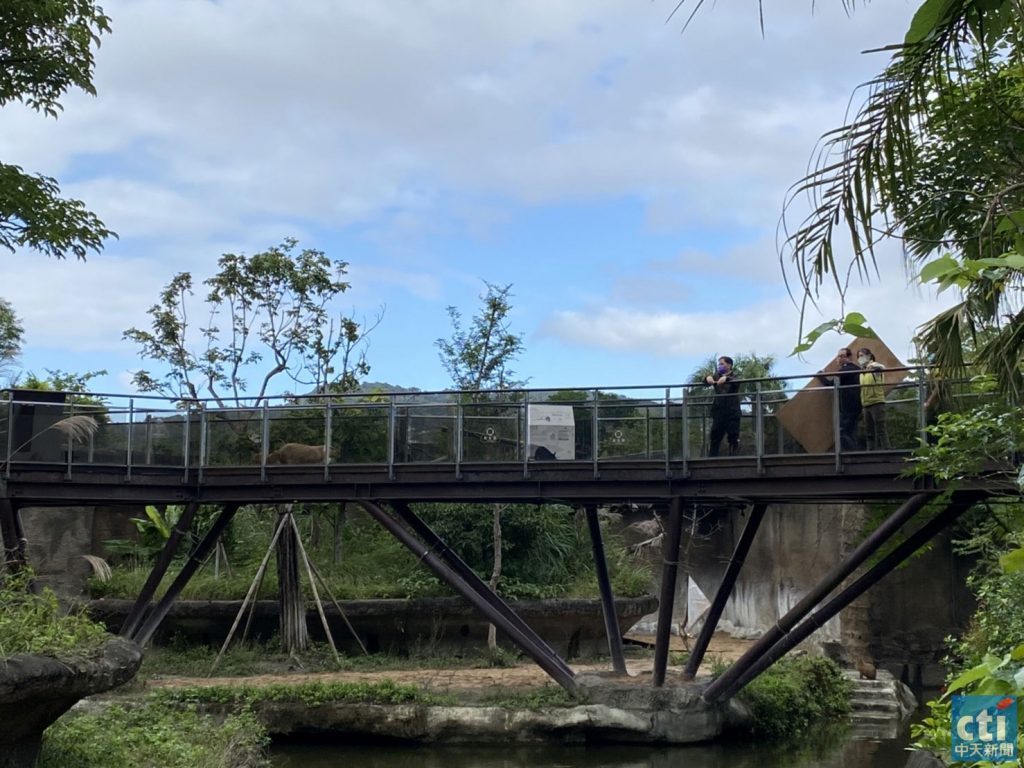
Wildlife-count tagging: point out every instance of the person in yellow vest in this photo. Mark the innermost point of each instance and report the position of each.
(872, 400)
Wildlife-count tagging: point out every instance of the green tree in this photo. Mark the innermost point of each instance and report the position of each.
(11, 334)
(268, 316)
(934, 157)
(478, 358)
(46, 48)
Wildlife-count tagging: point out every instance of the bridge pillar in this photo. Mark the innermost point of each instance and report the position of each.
(12, 536)
(872, 576)
(604, 584)
(831, 580)
(473, 581)
(196, 559)
(732, 572)
(559, 672)
(669, 570)
(131, 622)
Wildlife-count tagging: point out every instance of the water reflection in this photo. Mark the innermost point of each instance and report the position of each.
(834, 750)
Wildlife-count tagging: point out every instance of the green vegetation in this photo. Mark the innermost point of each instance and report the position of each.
(36, 623)
(547, 553)
(795, 694)
(154, 735)
(312, 694)
(548, 697)
(247, 659)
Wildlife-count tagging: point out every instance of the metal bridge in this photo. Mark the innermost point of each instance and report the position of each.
(579, 447)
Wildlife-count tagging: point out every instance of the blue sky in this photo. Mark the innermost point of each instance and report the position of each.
(625, 177)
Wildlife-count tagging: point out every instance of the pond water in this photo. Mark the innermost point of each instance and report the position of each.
(835, 750)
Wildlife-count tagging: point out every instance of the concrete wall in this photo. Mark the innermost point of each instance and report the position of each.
(900, 623)
(59, 536)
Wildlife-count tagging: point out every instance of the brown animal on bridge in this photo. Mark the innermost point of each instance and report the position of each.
(298, 453)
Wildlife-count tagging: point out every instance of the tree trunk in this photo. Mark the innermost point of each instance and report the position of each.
(492, 632)
(294, 635)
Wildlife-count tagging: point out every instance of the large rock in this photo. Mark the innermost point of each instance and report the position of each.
(628, 711)
(36, 690)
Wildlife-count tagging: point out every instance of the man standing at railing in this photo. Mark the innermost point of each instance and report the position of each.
(849, 397)
(725, 407)
(872, 400)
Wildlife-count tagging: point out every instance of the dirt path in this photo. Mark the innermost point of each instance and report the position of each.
(722, 647)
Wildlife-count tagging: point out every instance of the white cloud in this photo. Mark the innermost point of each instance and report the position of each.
(893, 308)
(339, 111)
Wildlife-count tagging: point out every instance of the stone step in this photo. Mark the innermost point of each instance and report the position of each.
(878, 705)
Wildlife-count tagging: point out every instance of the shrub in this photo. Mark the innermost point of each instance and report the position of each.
(36, 623)
(795, 694)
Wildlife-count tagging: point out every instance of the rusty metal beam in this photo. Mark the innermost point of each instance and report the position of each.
(604, 585)
(871, 544)
(452, 559)
(872, 576)
(669, 569)
(732, 572)
(198, 556)
(450, 577)
(14, 552)
(134, 618)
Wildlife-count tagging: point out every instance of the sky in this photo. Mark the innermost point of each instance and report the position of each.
(624, 175)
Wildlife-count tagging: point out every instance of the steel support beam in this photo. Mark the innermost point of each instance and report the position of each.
(872, 576)
(132, 621)
(732, 572)
(451, 558)
(14, 552)
(832, 579)
(669, 569)
(604, 584)
(202, 550)
(434, 563)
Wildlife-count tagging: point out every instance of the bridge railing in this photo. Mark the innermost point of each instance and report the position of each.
(660, 423)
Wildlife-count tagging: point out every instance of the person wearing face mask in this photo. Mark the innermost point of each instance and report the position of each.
(725, 407)
(848, 377)
(872, 400)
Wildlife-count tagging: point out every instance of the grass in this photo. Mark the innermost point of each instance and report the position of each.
(310, 694)
(548, 697)
(154, 735)
(249, 659)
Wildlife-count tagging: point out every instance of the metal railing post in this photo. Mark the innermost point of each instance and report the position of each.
(922, 416)
(186, 438)
(149, 439)
(837, 438)
(203, 440)
(10, 438)
(264, 439)
(686, 434)
(459, 426)
(71, 445)
(327, 439)
(392, 437)
(595, 443)
(666, 439)
(131, 429)
(759, 429)
(526, 434)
